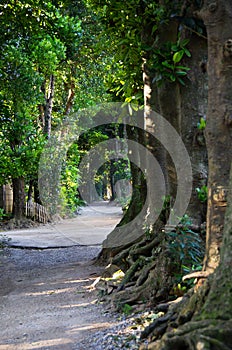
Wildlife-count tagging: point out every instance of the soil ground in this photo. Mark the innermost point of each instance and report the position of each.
(46, 298)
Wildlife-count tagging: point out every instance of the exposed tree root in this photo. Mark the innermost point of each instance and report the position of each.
(153, 282)
(196, 274)
(130, 273)
(150, 273)
(126, 257)
(200, 322)
(143, 275)
(144, 248)
(197, 335)
(177, 313)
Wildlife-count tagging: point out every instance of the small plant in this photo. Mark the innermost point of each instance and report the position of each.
(186, 249)
(2, 214)
(187, 269)
(202, 124)
(181, 287)
(202, 193)
(148, 231)
(166, 61)
(127, 309)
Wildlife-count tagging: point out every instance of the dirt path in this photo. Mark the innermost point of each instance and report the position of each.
(91, 227)
(45, 299)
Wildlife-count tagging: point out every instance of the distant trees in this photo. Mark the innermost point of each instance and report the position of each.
(45, 74)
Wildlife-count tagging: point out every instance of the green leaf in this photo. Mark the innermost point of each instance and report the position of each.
(168, 65)
(187, 52)
(182, 67)
(174, 47)
(181, 81)
(154, 29)
(178, 56)
(184, 42)
(179, 72)
(172, 77)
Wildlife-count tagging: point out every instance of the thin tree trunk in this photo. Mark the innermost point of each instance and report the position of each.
(111, 180)
(41, 107)
(33, 189)
(36, 192)
(70, 99)
(30, 191)
(48, 107)
(18, 198)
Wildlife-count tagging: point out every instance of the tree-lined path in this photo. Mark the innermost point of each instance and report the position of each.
(129, 102)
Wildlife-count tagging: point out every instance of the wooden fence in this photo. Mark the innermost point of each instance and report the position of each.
(6, 198)
(37, 212)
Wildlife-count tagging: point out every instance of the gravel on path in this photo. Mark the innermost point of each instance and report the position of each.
(45, 300)
(47, 303)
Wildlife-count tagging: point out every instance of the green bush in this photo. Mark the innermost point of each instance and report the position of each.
(186, 249)
(2, 214)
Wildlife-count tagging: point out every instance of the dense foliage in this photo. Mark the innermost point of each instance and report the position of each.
(48, 68)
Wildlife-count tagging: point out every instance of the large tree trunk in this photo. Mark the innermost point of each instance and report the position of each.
(211, 328)
(169, 100)
(193, 108)
(153, 273)
(217, 17)
(18, 198)
(210, 308)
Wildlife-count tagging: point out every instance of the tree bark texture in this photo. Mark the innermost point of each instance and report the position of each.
(18, 198)
(217, 16)
(211, 326)
(169, 101)
(193, 108)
